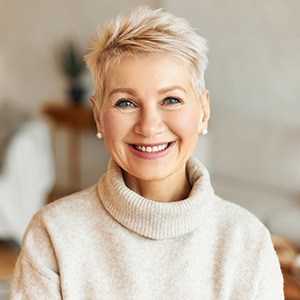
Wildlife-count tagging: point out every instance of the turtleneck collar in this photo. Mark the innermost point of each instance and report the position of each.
(153, 219)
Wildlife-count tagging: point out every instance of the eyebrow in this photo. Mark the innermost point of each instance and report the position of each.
(122, 90)
(133, 92)
(171, 88)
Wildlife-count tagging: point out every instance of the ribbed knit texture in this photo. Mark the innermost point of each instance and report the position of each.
(156, 220)
(108, 242)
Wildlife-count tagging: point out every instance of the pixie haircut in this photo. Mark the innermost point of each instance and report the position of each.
(146, 31)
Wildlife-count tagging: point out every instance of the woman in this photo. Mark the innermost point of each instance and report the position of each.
(152, 227)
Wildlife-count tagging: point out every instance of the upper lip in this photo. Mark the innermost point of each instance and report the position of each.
(150, 145)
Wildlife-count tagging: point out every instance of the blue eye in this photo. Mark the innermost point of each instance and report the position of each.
(124, 103)
(172, 100)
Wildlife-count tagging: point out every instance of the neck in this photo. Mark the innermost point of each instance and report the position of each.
(171, 189)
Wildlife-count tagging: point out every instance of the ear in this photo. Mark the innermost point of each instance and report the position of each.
(205, 107)
(96, 113)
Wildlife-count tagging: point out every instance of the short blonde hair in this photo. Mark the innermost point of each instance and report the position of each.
(146, 31)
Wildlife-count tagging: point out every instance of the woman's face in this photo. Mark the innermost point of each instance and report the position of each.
(150, 118)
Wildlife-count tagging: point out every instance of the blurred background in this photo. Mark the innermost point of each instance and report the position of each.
(47, 136)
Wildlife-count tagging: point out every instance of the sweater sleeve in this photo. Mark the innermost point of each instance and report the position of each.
(271, 280)
(36, 273)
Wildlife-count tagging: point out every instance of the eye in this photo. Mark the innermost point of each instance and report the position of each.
(124, 103)
(172, 100)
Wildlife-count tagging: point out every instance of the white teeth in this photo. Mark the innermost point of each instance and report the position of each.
(151, 149)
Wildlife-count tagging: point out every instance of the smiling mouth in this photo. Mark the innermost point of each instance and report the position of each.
(152, 149)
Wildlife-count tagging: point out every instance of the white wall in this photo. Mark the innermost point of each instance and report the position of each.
(253, 73)
(254, 54)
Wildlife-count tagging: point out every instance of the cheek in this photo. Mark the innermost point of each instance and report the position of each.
(186, 124)
(114, 128)
(109, 126)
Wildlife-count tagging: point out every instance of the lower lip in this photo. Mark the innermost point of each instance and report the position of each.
(151, 155)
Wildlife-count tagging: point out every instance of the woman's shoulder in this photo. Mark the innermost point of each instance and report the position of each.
(87, 197)
(233, 216)
(80, 205)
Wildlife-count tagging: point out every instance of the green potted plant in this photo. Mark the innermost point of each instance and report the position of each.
(73, 67)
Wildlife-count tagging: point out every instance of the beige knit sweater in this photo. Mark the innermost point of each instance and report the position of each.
(108, 242)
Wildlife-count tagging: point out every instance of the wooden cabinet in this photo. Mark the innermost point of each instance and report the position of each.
(76, 119)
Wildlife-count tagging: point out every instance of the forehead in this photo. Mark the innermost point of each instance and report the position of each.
(148, 71)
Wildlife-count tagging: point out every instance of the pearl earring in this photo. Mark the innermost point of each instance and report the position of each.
(204, 131)
(99, 135)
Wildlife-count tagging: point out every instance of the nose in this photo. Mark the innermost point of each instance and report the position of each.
(149, 122)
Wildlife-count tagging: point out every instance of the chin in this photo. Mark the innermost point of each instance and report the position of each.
(152, 173)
